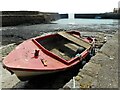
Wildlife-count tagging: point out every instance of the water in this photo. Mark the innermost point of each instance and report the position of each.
(86, 21)
(13, 34)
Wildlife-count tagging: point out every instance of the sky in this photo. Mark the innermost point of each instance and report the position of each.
(60, 6)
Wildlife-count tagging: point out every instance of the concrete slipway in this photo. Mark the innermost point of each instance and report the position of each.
(101, 71)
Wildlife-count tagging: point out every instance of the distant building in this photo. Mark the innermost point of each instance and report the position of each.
(119, 4)
(116, 10)
(119, 7)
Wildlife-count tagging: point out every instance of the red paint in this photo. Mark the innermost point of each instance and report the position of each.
(22, 57)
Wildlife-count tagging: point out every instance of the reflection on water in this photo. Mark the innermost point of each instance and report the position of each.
(86, 21)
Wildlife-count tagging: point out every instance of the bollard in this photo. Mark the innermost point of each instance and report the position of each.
(36, 54)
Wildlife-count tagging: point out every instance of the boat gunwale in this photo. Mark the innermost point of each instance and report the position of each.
(56, 56)
(68, 63)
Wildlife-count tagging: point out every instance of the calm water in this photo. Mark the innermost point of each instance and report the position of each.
(69, 24)
(87, 21)
(13, 34)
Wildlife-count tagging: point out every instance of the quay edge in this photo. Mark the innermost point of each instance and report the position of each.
(102, 69)
(12, 18)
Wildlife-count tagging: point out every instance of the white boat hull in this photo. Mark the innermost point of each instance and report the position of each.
(25, 75)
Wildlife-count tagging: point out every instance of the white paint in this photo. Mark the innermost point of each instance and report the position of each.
(26, 60)
(32, 73)
(73, 82)
(17, 47)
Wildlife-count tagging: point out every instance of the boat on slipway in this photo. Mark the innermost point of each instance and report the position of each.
(48, 54)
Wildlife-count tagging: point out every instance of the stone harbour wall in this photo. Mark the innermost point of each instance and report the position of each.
(98, 15)
(11, 18)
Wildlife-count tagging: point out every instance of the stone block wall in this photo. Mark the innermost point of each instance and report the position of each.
(11, 18)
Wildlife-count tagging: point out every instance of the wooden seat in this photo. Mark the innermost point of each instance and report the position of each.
(74, 39)
(72, 46)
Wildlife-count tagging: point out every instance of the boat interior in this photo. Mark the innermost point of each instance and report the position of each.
(61, 46)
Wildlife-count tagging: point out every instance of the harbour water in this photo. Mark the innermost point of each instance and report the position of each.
(12, 34)
(69, 23)
(87, 21)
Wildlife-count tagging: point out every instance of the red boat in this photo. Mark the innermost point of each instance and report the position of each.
(48, 54)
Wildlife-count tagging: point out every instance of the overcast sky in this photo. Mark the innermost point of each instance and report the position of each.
(61, 6)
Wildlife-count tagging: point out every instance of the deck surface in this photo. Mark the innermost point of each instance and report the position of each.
(64, 48)
(74, 39)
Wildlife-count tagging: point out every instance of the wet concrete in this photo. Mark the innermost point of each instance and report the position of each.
(102, 70)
